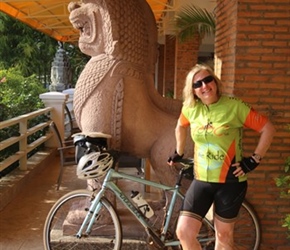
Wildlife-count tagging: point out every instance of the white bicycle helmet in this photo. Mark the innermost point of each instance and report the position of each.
(94, 165)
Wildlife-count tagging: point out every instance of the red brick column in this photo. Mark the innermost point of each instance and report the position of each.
(185, 58)
(253, 58)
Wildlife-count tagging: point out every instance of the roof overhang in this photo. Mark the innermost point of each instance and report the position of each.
(51, 16)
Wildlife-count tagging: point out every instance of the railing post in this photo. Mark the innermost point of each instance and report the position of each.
(57, 101)
(70, 93)
(23, 145)
(69, 103)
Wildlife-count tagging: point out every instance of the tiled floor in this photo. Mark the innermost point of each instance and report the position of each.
(22, 220)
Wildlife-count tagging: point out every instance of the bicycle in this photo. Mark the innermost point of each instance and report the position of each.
(85, 219)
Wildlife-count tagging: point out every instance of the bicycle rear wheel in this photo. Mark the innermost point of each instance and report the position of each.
(66, 217)
(247, 234)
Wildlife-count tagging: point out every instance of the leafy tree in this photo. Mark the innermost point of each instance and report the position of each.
(25, 49)
(77, 60)
(32, 52)
(18, 95)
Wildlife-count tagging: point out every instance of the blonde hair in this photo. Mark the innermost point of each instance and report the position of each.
(189, 98)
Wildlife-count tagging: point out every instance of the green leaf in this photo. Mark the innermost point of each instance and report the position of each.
(192, 20)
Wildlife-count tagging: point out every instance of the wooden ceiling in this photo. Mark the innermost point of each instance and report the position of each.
(51, 16)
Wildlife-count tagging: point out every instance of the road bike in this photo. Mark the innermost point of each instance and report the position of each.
(84, 219)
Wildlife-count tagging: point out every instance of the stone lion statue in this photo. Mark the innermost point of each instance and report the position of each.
(115, 93)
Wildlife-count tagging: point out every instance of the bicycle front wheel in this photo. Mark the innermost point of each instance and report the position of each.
(247, 234)
(66, 216)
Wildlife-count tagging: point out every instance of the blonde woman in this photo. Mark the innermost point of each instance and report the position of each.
(220, 168)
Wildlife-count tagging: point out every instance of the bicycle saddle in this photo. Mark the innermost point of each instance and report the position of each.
(88, 142)
(92, 135)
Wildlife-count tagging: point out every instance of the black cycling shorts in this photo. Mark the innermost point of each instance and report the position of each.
(226, 197)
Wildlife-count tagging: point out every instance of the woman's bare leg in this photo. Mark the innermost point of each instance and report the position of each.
(224, 235)
(187, 231)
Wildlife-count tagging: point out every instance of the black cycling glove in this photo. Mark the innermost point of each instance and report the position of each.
(175, 157)
(248, 164)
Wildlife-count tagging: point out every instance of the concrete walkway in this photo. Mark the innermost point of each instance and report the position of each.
(22, 220)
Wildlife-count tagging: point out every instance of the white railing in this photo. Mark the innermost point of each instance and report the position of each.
(22, 139)
(55, 111)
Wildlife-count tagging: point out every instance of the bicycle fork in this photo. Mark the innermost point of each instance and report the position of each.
(91, 215)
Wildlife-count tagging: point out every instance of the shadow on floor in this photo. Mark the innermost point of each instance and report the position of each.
(22, 220)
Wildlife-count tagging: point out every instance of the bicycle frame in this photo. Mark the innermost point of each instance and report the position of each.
(108, 183)
(247, 224)
(98, 200)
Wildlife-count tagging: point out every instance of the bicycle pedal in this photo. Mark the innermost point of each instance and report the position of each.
(154, 237)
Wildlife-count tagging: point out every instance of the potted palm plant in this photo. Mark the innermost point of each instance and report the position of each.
(192, 20)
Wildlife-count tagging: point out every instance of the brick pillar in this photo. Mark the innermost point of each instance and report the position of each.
(225, 41)
(186, 54)
(169, 65)
(253, 59)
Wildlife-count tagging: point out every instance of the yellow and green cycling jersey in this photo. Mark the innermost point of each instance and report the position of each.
(217, 131)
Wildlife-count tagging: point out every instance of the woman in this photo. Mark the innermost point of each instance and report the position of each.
(216, 124)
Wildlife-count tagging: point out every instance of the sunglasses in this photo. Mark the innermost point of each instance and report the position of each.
(205, 80)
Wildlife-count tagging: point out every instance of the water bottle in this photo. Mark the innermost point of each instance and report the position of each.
(142, 204)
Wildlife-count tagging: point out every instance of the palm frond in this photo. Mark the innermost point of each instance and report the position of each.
(193, 20)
